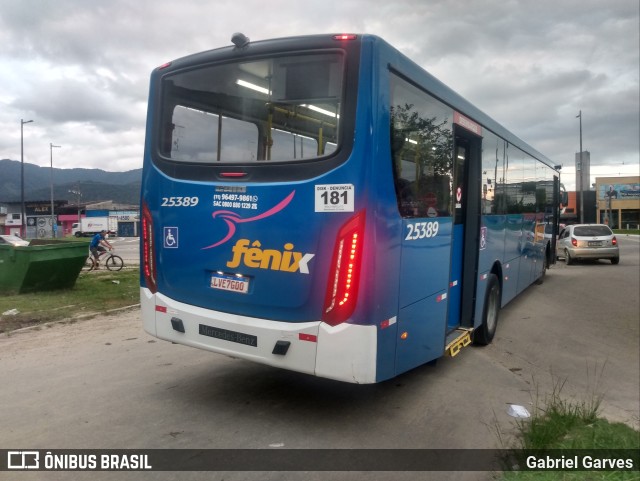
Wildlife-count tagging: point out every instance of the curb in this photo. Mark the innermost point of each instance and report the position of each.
(82, 317)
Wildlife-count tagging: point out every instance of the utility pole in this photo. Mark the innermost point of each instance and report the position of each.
(581, 173)
(609, 219)
(54, 224)
(23, 228)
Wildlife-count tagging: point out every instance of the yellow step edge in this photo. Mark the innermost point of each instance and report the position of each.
(463, 340)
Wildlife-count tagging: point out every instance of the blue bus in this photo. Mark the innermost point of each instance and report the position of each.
(323, 204)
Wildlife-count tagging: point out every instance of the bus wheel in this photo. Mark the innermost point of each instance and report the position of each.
(483, 335)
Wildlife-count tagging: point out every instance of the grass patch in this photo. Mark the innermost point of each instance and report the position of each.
(567, 425)
(626, 231)
(94, 293)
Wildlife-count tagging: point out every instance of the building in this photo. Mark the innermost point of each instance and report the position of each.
(40, 221)
(618, 200)
(41, 224)
(571, 212)
(585, 167)
(125, 216)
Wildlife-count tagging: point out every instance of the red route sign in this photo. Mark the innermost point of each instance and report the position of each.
(468, 124)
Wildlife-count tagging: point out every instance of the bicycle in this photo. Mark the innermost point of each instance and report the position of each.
(113, 262)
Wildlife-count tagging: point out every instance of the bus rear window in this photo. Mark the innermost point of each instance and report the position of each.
(279, 109)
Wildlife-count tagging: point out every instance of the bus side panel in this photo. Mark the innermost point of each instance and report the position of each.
(511, 258)
(540, 247)
(420, 247)
(383, 217)
(526, 247)
(421, 332)
(426, 253)
(492, 235)
(424, 288)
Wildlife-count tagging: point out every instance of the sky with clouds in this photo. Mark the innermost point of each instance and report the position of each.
(80, 69)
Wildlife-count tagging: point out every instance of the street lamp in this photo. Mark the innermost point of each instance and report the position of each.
(53, 222)
(557, 212)
(24, 212)
(581, 173)
(78, 194)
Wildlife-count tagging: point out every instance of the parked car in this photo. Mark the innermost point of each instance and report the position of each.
(12, 240)
(548, 230)
(587, 241)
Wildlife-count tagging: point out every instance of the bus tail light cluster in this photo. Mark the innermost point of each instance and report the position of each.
(148, 257)
(345, 36)
(344, 276)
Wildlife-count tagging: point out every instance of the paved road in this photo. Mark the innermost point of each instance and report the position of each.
(128, 248)
(104, 383)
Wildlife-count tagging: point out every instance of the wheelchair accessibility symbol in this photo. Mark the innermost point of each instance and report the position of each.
(171, 237)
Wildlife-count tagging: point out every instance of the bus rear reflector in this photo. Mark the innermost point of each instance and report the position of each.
(307, 337)
(344, 276)
(148, 257)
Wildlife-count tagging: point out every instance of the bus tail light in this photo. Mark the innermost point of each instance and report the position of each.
(344, 276)
(148, 255)
(345, 36)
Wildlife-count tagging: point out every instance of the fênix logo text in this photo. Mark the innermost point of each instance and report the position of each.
(252, 255)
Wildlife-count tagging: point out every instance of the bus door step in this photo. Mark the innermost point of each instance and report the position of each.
(458, 339)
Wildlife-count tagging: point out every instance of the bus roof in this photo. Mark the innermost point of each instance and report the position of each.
(404, 66)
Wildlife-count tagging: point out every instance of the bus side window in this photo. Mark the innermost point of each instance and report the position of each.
(421, 145)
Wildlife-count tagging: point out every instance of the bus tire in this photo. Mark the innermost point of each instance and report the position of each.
(483, 335)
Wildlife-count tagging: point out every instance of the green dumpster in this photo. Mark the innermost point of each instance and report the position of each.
(42, 265)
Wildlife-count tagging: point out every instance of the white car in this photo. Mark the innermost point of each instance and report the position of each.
(587, 241)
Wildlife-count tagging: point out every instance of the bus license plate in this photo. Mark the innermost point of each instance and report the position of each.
(231, 283)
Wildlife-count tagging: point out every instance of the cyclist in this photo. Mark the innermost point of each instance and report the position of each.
(97, 246)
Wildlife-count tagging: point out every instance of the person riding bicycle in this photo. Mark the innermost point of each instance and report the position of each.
(97, 246)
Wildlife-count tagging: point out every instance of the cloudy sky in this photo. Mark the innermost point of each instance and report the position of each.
(80, 69)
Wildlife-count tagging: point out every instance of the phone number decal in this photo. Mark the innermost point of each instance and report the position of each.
(422, 230)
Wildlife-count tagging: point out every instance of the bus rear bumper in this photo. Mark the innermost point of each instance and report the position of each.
(346, 352)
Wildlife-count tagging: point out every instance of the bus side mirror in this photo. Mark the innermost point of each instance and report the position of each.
(564, 198)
